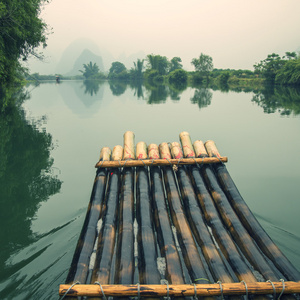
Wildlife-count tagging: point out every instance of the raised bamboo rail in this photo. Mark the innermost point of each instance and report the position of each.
(159, 162)
(197, 186)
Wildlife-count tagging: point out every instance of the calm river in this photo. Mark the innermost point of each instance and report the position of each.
(49, 147)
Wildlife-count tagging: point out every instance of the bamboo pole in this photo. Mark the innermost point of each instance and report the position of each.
(191, 256)
(81, 259)
(147, 253)
(194, 216)
(168, 250)
(184, 290)
(159, 162)
(107, 235)
(124, 273)
(238, 232)
(220, 233)
(260, 236)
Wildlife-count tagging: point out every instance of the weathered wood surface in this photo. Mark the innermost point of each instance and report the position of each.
(168, 249)
(237, 230)
(190, 253)
(220, 233)
(81, 259)
(185, 290)
(107, 236)
(124, 273)
(147, 253)
(159, 162)
(256, 231)
(200, 230)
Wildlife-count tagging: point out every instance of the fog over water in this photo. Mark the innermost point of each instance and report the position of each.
(237, 34)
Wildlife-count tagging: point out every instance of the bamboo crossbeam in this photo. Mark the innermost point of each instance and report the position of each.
(181, 290)
(159, 162)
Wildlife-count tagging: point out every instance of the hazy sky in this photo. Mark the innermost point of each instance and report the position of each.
(236, 33)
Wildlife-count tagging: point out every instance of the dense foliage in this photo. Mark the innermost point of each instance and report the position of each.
(91, 71)
(21, 32)
(283, 70)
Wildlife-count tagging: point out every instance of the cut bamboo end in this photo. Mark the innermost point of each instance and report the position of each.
(128, 145)
(164, 151)
(212, 149)
(181, 290)
(176, 150)
(200, 149)
(141, 150)
(117, 153)
(153, 151)
(105, 154)
(120, 156)
(186, 143)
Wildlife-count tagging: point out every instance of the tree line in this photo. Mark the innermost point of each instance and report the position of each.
(22, 31)
(157, 69)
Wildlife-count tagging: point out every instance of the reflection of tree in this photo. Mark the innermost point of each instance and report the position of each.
(91, 86)
(137, 86)
(176, 88)
(202, 97)
(25, 179)
(117, 87)
(158, 94)
(284, 100)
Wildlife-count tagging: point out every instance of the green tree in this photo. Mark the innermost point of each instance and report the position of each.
(289, 74)
(136, 73)
(117, 71)
(203, 65)
(175, 64)
(178, 77)
(269, 67)
(91, 71)
(158, 63)
(21, 32)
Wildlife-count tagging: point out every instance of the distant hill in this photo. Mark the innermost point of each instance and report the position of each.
(83, 50)
(71, 54)
(84, 58)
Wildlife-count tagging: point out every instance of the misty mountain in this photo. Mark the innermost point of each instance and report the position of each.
(84, 58)
(71, 54)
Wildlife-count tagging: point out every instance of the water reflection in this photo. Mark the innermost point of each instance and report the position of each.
(117, 87)
(82, 99)
(25, 180)
(137, 86)
(202, 97)
(283, 100)
(91, 86)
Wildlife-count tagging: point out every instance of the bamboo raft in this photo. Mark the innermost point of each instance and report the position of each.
(168, 221)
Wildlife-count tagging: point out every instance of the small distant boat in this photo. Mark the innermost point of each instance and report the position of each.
(57, 79)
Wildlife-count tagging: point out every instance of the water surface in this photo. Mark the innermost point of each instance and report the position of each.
(50, 145)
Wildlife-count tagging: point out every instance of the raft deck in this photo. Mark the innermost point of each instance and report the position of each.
(168, 220)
